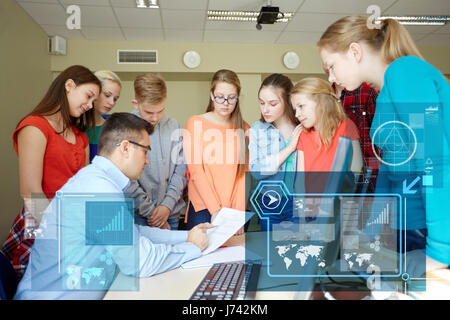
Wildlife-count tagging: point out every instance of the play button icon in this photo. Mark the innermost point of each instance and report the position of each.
(271, 199)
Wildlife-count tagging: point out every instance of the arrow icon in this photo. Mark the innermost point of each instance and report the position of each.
(272, 199)
(407, 189)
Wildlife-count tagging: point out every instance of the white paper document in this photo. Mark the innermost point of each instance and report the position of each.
(228, 222)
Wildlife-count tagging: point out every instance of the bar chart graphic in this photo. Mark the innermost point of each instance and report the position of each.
(382, 218)
(109, 223)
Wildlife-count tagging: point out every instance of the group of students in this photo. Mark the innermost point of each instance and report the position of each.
(371, 72)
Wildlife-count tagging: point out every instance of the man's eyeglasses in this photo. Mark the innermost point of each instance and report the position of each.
(230, 100)
(147, 148)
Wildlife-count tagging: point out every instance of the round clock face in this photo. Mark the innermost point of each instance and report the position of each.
(191, 59)
(291, 60)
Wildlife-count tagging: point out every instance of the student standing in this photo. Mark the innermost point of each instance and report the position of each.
(51, 147)
(323, 122)
(158, 192)
(215, 150)
(386, 58)
(111, 87)
(273, 139)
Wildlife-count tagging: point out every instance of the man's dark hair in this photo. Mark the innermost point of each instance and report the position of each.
(118, 127)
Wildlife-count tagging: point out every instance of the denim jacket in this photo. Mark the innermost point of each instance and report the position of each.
(265, 143)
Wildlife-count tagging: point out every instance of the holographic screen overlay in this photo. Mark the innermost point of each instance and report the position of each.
(314, 237)
(94, 232)
(413, 141)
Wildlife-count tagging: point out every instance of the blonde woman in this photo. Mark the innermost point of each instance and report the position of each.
(111, 87)
(386, 58)
(323, 121)
(215, 149)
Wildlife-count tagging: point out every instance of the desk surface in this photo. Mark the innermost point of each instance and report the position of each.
(179, 284)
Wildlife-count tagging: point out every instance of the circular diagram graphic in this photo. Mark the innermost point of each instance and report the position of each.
(397, 141)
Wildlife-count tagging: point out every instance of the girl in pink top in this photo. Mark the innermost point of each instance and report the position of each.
(215, 149)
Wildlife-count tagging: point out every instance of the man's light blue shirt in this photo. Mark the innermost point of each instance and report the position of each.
(157, 250)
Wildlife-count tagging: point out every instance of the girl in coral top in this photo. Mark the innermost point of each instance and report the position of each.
(323, 121)
(215, 151)
(52, 147)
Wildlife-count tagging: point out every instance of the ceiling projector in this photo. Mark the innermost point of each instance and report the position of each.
(267, 15)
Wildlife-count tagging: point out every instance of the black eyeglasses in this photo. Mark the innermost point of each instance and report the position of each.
(230, 100)
(147, 148)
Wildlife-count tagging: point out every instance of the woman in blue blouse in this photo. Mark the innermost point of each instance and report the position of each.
(273, 139)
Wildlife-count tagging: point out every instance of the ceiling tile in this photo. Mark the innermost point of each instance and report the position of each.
(299, 37)
(97, 17)
(138, 18)
(420, 7)
(63, 32)
(343, 6)
(143, 34)
(315, 22)
(253, 5)
(123, 3)
(421, 29)
(240, 36)
(444, 29)
(235, 25)
(183, 4)
(103, 34)
(183, 35)
(40, 1)
(104, 3)
(42, 13)
(183, 19)
(439, 40)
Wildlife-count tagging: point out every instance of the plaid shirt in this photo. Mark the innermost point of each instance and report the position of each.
(17, 246)
(359, 105)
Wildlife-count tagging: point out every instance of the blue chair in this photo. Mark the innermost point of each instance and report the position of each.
(8, 279)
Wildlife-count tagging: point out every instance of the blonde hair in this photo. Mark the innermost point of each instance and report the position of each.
(104, 75)
(150, 88)
(390, 37)
(237, 121)
(329, 112)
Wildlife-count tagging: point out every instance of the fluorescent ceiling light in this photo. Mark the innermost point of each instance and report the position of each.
(147, 4)
(222, 15)
(419, 20)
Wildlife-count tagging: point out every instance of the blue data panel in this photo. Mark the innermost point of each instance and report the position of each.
(109, 223)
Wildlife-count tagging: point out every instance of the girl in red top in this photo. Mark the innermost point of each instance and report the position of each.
(323, 121)
(52, 147)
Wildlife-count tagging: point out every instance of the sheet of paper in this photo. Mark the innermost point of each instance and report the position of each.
(228, 222)
(221, 255)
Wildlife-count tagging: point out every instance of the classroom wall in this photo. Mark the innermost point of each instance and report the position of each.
(24, 77)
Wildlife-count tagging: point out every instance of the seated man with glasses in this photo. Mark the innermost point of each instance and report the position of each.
(122, 155)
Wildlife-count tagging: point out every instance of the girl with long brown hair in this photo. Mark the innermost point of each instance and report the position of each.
(215, 150)
(51, 147)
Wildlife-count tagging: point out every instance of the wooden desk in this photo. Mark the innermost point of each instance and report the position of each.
(179, 284)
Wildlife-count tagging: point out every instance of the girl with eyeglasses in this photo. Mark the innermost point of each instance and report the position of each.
(215, 151)
(52, 147)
